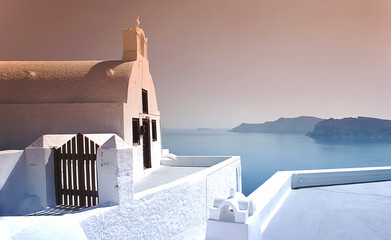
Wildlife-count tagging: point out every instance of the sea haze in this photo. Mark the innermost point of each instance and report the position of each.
(263, 154)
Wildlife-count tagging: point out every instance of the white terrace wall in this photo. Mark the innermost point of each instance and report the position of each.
(176, 210)
(12, 184)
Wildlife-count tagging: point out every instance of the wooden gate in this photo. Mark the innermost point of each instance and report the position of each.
(75, 172)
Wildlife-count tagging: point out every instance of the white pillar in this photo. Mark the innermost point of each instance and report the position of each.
(40, 175)
(115, 173)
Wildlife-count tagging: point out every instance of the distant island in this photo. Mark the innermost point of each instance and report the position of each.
(298, 125)
(204, 129)
(357, 129)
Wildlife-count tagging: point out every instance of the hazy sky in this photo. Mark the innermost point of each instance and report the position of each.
(219, 63)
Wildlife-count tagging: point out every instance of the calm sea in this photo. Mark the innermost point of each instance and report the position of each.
(263, 154)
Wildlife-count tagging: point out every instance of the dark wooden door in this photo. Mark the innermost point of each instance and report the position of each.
(75, 173)
(146, 144)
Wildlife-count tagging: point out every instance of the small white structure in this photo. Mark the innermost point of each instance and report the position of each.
(229, 218)
(235, 208)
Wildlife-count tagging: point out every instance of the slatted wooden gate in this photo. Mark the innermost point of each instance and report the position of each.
(75, 172)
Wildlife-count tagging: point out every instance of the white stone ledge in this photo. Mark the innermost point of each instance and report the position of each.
(194, 161)
(301, 179)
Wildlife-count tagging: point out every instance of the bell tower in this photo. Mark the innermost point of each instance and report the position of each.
(134, 43)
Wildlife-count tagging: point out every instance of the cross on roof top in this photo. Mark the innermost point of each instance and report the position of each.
(138, 21)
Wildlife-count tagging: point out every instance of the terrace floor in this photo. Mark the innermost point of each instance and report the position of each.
(352, 211)
(163, 175)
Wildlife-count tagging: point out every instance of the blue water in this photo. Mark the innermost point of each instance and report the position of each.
(264, 154)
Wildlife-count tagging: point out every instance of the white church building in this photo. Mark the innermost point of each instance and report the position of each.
(81, 154)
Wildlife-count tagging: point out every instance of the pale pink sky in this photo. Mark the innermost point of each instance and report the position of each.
(219, 63)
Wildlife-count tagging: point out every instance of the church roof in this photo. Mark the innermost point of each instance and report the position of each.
(64, 81)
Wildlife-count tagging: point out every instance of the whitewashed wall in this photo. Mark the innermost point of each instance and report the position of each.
(176, 210)
(24, 123)
(12, 184)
